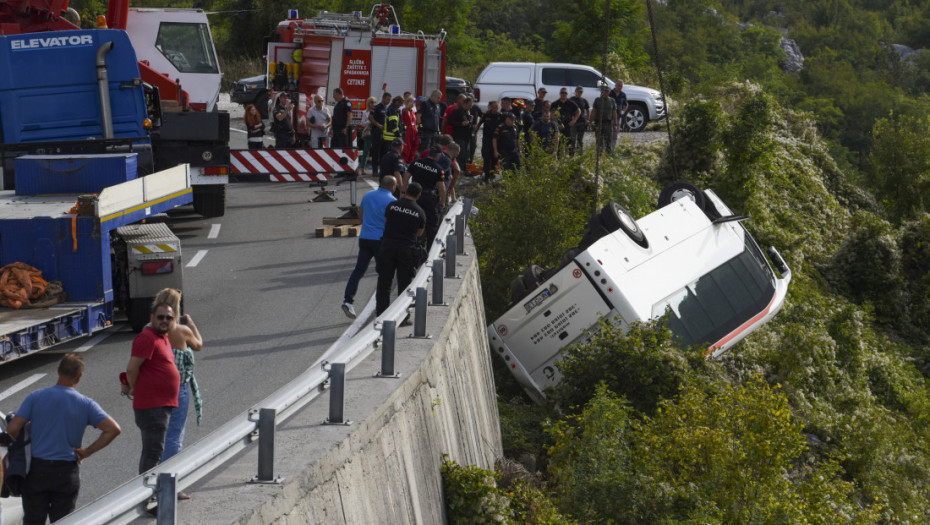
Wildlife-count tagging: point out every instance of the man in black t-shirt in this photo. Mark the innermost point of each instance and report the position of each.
(429, 116)
(506, 143)
(476, 115)
(432, 179)
(488, 123)
(461, 123)
(342, 114)
(404, 222)
(378, 117)
(539, 100)
(392, 163)
(566, 114)
(577, 143)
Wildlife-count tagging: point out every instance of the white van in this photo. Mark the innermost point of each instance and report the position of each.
(523, 79)
(692, 257)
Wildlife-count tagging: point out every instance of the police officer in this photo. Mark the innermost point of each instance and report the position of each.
(281, 125)
(488, 124)
(392, 163)
(577, 144)
(566, 113)
(429, 116)
(342, 114)
(378, 118)
(506, 143)
(404, 222)
(603, 117)
(432, 179)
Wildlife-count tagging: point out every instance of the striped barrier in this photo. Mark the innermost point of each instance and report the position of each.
(291, 165)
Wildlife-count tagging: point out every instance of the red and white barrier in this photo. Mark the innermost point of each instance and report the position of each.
(293, 165)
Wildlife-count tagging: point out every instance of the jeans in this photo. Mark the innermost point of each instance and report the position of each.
(340, 139)
(176, 424)
(426, 138)
(51, 489)
(367, 249)
(153, 424)
(391, 260)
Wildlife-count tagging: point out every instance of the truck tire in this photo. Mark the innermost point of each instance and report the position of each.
(636, 117)
(139, 312)
(681, 190)
(210, 200)
(615, 217)
(517, 289)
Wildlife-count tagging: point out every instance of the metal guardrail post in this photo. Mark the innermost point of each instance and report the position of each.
(266, 426)
(167, 498)
(437, 283)
(460, 235)
(337, 395)
(466, 209)
(419, 314)
(388, 335)
(450, 255)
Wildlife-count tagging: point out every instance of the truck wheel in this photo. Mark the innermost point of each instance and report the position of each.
(139, 312)
(517, 289)
(210, 200)
(532, 276)
(681, 190)
(615, 217)
(636, 117)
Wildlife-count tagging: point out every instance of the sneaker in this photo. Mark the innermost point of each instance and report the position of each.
(349, 310)
(183, 496)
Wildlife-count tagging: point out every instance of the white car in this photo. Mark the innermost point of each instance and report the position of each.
(692, 257)
(523, 79)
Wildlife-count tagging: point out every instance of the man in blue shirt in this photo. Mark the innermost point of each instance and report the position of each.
(59, 415)
(371, 211)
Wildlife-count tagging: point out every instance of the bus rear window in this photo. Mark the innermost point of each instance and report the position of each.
(708, 309)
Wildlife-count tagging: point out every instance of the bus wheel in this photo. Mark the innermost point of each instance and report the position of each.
(615, 217)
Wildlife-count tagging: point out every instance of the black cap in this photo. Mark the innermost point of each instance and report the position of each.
(435, 149)
(397, 142)
(508, 114)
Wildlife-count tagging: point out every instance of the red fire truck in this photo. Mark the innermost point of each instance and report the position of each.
(363, 55)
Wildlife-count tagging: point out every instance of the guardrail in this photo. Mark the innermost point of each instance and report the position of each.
(130, 500)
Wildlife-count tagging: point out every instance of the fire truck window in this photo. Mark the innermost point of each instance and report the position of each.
(187, 46)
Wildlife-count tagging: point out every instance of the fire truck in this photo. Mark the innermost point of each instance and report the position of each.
(364, 55)
(178, 134)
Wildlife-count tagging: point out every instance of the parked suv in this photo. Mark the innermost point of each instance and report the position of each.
(251, 90)
(456, 86)
(523, 79)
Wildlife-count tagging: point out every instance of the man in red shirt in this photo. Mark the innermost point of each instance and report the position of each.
(154, 381)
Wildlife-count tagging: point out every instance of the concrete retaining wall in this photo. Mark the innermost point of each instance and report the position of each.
(384, 467)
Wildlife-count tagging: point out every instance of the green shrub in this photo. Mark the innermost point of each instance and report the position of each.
(471, 495)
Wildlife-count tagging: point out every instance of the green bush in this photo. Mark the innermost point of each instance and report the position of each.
(471, 495)
(640, 362)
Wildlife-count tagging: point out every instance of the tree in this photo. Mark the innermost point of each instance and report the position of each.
(901, 164)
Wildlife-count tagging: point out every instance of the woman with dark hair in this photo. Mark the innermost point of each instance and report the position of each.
(255, 127)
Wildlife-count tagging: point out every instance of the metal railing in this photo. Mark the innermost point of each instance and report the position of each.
(130, 500)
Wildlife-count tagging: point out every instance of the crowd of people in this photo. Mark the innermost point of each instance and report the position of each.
(159, 380)
(508, 128)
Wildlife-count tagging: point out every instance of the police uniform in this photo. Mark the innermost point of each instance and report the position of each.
(506, 136)
(577, 143)
(602, 114)
(427, 173)
(378, 146)
(341, 115)
(489, 123)
(283, 129)
(403, 218)
(429, 123)
(391, 163)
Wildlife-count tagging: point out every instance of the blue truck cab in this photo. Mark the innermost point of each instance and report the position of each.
(71, 92)
(74, 143)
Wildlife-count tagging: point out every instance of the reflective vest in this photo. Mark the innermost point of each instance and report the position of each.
(391, 128)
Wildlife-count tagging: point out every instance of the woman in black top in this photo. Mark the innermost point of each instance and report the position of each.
(255, 127)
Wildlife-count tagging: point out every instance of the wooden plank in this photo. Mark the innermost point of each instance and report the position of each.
(339, 221)
(324, 231)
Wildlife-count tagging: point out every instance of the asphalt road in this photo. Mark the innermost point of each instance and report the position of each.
(265, 294)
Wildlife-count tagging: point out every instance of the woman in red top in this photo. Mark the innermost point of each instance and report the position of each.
(411, 137)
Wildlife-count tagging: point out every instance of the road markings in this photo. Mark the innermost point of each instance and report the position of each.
(214, 231)
(371, 183)
(93, 341)
(21, 385)
(197, 258)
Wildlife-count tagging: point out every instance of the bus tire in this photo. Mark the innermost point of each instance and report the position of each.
(615, 217)
(681, 190)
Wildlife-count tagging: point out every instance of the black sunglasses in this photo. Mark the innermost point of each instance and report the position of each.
(164, 317)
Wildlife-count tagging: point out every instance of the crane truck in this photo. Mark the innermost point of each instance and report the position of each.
(77, 142)
(179, 133)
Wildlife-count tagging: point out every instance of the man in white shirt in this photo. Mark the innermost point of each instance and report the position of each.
(320, 123)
